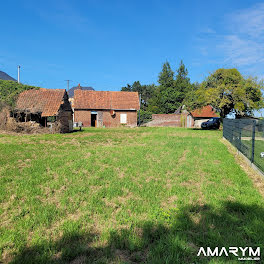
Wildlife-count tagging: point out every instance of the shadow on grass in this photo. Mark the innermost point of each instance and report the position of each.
(205, 129)
(77, 130)
(175, 237)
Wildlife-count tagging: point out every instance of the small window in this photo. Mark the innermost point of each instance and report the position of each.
(123, 118)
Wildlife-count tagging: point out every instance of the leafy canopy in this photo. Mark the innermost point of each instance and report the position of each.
(228, 91)
(146, 91)
(172, 90)
(9, 91)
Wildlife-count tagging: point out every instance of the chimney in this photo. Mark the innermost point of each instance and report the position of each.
(79, 87)
(18, 74)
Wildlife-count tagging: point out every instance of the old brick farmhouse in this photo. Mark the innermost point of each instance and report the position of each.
(105, 108)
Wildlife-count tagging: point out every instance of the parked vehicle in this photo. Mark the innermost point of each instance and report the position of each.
(212, 123)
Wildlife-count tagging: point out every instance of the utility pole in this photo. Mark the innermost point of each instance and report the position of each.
(18, 74)
(68, 84)
(139, 110)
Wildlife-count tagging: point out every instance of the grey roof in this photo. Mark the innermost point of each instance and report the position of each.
(6, 77)
(71, 91)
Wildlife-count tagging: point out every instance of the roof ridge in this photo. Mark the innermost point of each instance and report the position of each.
(45, 101)
(114, 100)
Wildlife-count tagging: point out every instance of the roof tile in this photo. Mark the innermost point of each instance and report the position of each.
(106, 100)
(206, 111)
(44, 101)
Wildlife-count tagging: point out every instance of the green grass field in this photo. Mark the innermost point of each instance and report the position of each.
(144, 195)
(259, 147)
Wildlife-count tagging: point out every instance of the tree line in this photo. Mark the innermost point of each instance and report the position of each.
(225, 89)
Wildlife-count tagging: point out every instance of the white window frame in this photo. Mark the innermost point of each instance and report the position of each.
(123, 118)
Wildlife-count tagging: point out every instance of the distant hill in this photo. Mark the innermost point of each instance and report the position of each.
(4, 76)
(71, 91)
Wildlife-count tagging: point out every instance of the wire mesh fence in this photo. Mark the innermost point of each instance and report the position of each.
(247, 136)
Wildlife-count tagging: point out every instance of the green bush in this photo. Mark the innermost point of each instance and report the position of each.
(9, 91)
(145, 116)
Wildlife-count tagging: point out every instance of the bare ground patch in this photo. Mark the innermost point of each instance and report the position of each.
(24, 163)
(6, 140)
(120, 172)
(183, 157)
(152, 178)
(170, 202)
(192, 135)
(217, 161)
(195, 186)
(52, 196)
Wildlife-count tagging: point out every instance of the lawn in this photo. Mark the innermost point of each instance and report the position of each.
(259, 147)
(152, 195)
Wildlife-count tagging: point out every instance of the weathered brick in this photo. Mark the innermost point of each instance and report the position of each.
(108, 121)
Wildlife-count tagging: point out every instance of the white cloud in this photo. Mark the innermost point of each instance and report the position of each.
(240, 51)
(241, 41)
(243, 47)
(249, 21)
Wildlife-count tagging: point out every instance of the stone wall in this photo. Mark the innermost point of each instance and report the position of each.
(63, 121)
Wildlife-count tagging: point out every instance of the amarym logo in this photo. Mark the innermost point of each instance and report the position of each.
(247, 253)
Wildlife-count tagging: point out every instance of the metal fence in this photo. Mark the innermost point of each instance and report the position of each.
(247, 136)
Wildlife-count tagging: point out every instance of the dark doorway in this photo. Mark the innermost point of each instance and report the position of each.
(94, 120)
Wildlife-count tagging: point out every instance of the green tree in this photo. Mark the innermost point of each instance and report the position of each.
(182, 82)
(9, 91)
(228, 91)
(193, 99)
(171, 92)
(163, 100)
(146, 92)
(166, 76)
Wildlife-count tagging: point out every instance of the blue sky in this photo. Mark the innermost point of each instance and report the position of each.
(107, 44)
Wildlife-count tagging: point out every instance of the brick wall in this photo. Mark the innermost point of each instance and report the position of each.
(83, 116)
(114, 121)
(107, 120)
(167, 119)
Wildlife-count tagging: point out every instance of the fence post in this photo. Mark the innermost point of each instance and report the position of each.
(253, 140)
(224, 128)
(240, 134)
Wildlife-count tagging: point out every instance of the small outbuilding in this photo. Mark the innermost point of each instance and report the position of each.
(48, 107)
(183, 118)
(198, 116)
(105, 108)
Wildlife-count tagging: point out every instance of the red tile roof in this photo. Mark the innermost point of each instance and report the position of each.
(47, 102)
(206, 111)
(106, 100)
